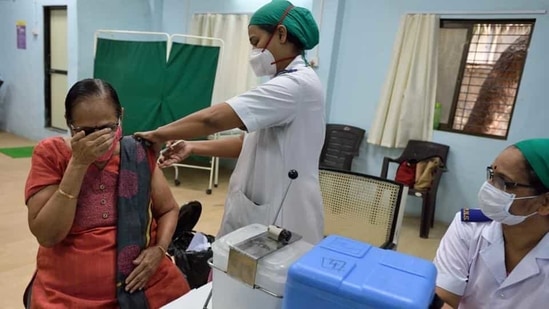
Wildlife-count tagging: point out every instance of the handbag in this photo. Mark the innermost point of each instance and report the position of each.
(193, 264)
(425, 171)
(406, 173)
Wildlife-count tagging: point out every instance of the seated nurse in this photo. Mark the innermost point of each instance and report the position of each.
(101, 211)
(503, 263)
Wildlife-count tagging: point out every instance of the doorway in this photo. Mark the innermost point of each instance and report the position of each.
(56, 64)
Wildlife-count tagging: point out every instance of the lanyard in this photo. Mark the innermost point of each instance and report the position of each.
(285, 71)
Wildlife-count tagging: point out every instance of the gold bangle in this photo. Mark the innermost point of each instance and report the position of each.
(65, 194)
(162, 249)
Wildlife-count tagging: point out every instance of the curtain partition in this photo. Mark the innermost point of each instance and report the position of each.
(154, 91)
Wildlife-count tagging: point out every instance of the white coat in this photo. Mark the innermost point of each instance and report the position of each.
(284, 118)
(471, 262)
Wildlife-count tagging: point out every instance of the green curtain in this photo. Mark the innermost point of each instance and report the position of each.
(189, 80)
(152, 91)
(137, 71)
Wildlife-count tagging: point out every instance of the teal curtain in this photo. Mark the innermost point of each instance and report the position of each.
(152, 91)
(136, 70)
(189, 81)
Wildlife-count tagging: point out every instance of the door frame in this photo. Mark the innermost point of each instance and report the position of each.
(47, 64)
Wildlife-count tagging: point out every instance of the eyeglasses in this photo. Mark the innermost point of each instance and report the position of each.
(90, 130)
(500, 183)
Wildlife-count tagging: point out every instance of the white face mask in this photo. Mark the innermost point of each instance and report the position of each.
(495, 204)
(262, 62)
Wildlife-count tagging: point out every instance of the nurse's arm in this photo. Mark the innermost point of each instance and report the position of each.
(214, 119)
(450, 299)
(229, 147)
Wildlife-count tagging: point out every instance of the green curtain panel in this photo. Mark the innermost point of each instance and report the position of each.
(137, 71)
(189, 81)
(152, 91)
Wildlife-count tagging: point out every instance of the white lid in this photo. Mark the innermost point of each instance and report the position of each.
(272, 270)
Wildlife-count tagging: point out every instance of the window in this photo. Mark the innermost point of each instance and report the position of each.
(479, 72)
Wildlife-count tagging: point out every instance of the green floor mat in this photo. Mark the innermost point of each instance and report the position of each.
(18, 152)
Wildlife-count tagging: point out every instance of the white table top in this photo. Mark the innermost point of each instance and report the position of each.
(195, 299)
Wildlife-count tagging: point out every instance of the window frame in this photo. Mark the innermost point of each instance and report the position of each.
(449, 23)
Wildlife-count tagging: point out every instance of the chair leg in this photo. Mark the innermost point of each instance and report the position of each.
(433, 201)
(425, 220)
(433, 207)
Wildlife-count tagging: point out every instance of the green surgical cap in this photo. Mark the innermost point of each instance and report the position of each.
(536, 152)
(299, 21)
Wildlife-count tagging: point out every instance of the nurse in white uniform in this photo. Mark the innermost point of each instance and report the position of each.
(503, 263)
(284, 121)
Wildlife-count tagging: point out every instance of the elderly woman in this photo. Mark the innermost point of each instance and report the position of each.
(101, 211)
(284, 120)
(503, 263)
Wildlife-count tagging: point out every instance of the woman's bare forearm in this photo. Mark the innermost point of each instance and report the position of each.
(166, 227)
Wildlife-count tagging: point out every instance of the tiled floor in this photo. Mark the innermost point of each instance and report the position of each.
(18, 252)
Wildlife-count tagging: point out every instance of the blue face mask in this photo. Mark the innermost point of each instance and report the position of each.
(495, 204)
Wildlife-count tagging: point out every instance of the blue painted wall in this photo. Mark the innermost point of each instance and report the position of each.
(22, 95)
(368, 32)
(328, 14)
(178, 13)
(135, 15)
(356, 43)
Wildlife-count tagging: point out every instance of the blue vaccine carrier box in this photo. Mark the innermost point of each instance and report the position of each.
(343, 273)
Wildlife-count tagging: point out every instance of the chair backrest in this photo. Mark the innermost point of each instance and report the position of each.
(341, 144)
(420, 150)
(363, 207)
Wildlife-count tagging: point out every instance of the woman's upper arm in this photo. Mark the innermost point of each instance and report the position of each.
(38, 200)
(45, 174)
(162, 197)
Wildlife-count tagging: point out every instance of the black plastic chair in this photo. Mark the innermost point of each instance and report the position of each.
(416, 151)
(341, 145)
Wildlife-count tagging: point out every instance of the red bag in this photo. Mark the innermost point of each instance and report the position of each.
(406, 173)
